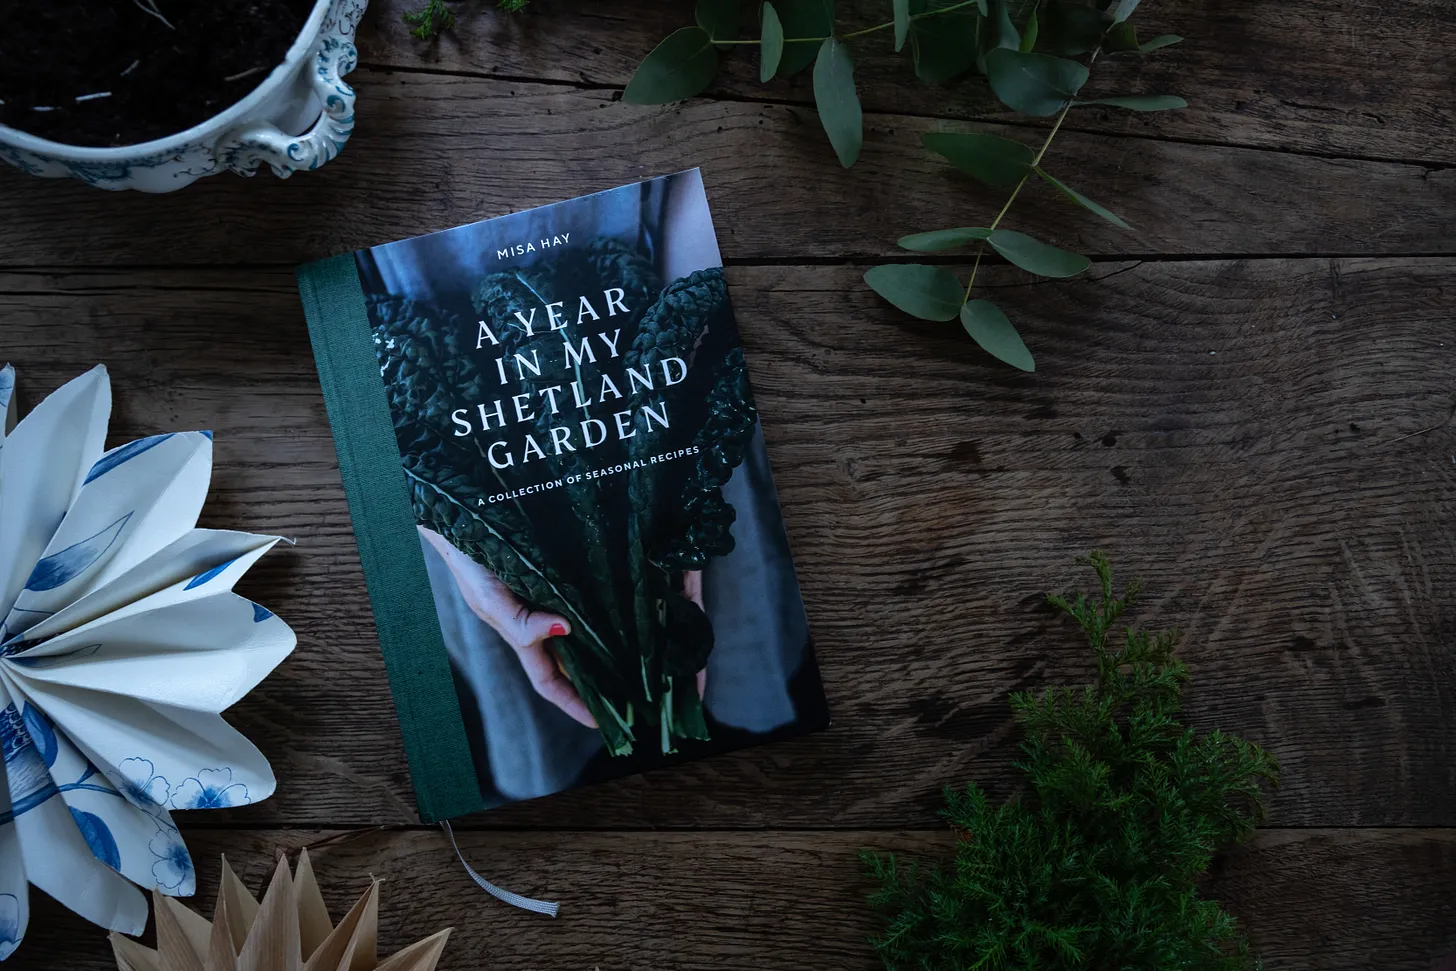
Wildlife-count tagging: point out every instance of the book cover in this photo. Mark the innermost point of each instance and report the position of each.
(565, 513)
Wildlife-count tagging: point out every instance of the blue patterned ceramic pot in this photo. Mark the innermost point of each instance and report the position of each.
(306, 93)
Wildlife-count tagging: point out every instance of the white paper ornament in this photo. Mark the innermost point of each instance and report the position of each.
(121, 642)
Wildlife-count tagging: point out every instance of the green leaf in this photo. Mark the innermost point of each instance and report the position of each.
(902, 22)
(1120, 39)
(718, 17)
(1005, 31)
(983, 8)
(927, 292)
(934, 242)
(1034, 256)
(680, 67)
(1123, 39)
(803, 18)
(1072, 29)
(1141, 102)
(771, 48)
(838, 104)
(1124, 10)
(1028, 36)
(996, 30)
(1037, 85)
(990, 328)
(1082, 200)
(1162, 40)
(944, 47)
(989, 159)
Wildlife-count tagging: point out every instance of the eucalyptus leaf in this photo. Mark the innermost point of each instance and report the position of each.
(837, 102)
(1123, 39)
(942, 239)
(1123, 10)
(1072, 29)
(1120, 39)
(991, 329)
(1034, 256)
(995, 30)
(1141, 102)
(927, 292)
(1082, 200)
(681, 66)
(771, 45)
(718, 17)
(944, 47)
(998, 162)
(803, 18)
(1037, 85)
(1162, 40)
(1004, 29)
(901, 10)
(1029, 36)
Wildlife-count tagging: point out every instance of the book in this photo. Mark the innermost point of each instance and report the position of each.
(557, 477)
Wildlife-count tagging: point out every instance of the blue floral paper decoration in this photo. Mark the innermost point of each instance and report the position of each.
(121, 642)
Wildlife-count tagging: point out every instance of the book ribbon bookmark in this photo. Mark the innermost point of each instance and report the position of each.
(514, 899)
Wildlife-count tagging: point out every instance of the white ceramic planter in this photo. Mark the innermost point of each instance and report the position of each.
(308, 85)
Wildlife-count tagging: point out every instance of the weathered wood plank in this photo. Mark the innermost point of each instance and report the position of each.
(432, 152)
(1312, 76)
(1230, 431)
(785, 900)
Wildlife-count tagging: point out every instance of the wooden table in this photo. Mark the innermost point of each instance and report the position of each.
(1230, 402)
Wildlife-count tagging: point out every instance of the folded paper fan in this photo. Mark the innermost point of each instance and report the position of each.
(289, 931)
(121, 642)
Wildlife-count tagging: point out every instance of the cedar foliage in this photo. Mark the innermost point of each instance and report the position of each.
(434, 17)
(1096, 865)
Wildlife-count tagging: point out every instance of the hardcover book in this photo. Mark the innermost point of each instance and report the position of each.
(566, 518)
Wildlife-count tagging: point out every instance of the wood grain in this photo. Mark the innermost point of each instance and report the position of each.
(1250, 424)
(1232, 432)
(1317, 76)
(787, 900)
(432, 152)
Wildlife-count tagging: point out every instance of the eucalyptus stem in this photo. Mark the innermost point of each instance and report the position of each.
(1041, 153)
(857, 33)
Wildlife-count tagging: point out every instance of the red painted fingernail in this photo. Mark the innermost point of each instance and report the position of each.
(558, 630)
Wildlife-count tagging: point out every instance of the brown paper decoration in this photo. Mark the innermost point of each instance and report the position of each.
(289, 931)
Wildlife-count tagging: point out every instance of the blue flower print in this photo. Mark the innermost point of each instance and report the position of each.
(61, 567)
(124, 453)
(98, 837)
(140, 783)
(209, 789)
(173, 869)
(9, 924)
(211, 574)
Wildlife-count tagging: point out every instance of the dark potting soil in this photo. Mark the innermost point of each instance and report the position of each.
(117, 72)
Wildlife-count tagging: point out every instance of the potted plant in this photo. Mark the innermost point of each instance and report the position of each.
(154, 94)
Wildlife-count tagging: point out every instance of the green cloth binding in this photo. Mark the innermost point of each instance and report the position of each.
(389, 546)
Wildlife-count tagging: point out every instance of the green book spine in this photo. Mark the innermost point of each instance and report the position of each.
(389, 548)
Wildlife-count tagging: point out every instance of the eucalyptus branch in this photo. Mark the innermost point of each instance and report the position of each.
(1035, 165)
(758, 41)
(1030, 68)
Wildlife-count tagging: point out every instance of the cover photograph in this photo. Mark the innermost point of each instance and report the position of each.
(565, 512)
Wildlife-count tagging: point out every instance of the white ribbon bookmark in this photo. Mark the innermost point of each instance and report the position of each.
(514, 899)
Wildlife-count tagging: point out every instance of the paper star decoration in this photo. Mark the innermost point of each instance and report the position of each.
(289, 931)
(121, 641)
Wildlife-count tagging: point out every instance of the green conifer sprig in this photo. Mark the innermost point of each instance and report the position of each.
(1095, 865)
(435, 17)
